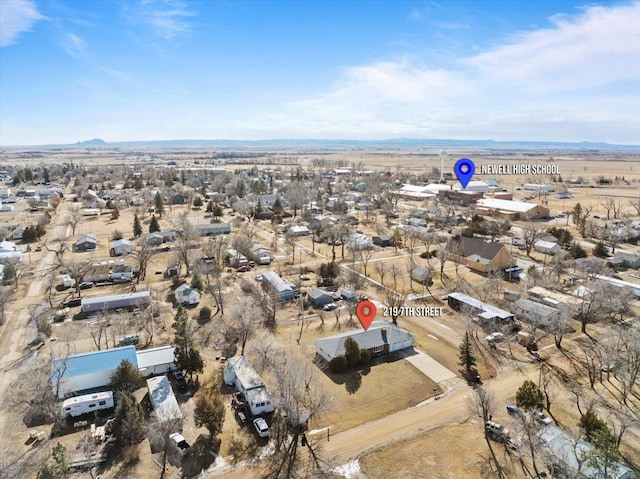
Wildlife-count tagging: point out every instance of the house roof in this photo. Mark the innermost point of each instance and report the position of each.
(95, 361)
(334, 345)
(541, 311)
(488, 310)
(474, 247)
(86, 238)
(506, 205)
(244, 372)
(276, 281)
(155, 356)
(122, 242)
(318, 293)
(115, 297)
(568, 450)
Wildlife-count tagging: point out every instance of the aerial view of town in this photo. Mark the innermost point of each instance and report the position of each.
(309, 239)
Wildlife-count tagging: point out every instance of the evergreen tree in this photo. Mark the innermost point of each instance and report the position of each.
(590, 423)
(128, 423)
(137, 227)
(197, 202)
(217, 211)
(60, 468)
(154, 225)
(529, 396)
(604, 456)
(45, 175)
(577, 251)
(210, 206)
(209, 412)
(126, 379)
(159, 204)
(351, 352)
(600, 250)
(466, 357)
(187, 357)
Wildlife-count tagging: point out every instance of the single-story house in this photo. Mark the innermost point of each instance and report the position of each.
(383, 240)
(547, 247)
(628, 259)
(359, 242)
(139, 299)
(18, 232)
(298, 231)
(88, 371)
(97, 273)
(569, 454)
(170, 234)
(482, 310)
(239, 373)
(214, 229)
(86, 242)
(156, 360)
(534, 312)
(260, 254)
(319, 297)
(421, 275)
(187, 295)
(274, 284)
(122, 247)
(10, 251)
(152, 239)
(382, 337)
(480, 255)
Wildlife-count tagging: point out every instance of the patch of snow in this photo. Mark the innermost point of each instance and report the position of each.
(350, 470)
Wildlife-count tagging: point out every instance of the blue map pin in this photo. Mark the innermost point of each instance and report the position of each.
(464, 169)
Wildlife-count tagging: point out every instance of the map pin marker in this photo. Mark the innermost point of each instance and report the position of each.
(464, 169)
(366, 313)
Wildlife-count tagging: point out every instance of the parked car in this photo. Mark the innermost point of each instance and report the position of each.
(541, 418)
(86, 285)
(330, 307)
(244, 268)
(180, 441)
(305, 277)
(495, 337)
(262, 428)
(252, 264)
(181, 382)
(513, 409)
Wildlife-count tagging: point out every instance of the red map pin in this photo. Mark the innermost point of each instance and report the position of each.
(366, 313)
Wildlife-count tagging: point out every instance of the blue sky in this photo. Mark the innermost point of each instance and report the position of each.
(171, 69)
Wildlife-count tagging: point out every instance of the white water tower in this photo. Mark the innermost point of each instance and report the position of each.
(443, 155)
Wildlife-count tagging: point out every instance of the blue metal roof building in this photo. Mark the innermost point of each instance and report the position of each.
(88, 371)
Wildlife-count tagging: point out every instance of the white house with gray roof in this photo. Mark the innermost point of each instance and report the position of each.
(382, 337)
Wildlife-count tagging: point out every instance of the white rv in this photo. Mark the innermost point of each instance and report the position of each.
(79, 405)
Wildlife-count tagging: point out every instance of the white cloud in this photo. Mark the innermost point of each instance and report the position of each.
(74, 45)
(167, 18)
(576, 80)
(16, 17)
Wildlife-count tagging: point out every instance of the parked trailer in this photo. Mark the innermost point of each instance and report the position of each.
(79, 405)
(117, 301)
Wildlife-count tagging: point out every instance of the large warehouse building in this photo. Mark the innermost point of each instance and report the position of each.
(84, 373)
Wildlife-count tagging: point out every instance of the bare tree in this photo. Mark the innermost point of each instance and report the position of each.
(635, 204)
(531, 234)
(184, 244)
(483, 404)
(241, 321)
(74, 216)
(142, 253)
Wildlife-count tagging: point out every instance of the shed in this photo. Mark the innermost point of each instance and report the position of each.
(383, 240)
(421, 275)
(298, 231)
(319, 297)
(88, 371)
(382, 337)
(547, 247)
(128, 300)
(86, 242)
(18, 232)
(163, 400)
(156, 360)
(121, 272)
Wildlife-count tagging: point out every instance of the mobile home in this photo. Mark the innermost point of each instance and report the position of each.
(129, 300)
(76, 406)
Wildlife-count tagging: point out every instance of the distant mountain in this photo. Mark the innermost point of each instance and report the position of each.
(393, 143)
(94, 143)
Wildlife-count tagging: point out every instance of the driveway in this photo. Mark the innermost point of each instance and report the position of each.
(427, 365)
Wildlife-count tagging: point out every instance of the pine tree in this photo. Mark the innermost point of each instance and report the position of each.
(210, 206)
(154, 225)
(159, 204)
(128, 422)
(187, 357)
(600, 250)
(209, 412)
(351, 351)
(466, 357)
(529, 396)
(126, 378)
(137, 227)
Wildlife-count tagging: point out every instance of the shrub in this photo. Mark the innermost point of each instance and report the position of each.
(365, 357)
(338, 364)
